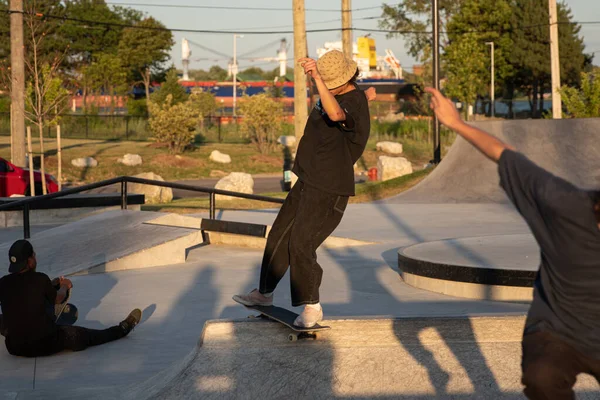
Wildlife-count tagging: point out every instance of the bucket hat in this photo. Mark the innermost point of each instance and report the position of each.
(335, 69)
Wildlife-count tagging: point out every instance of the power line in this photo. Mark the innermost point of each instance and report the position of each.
(327, 21)
(230, 32)
(233, 8)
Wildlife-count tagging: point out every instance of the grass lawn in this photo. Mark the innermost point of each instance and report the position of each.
(193, 164)
(365, 192)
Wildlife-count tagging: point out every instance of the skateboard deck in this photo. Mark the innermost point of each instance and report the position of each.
(66, 313)
(287, 318)
(68, 316)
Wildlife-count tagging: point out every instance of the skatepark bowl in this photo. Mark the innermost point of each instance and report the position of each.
(425, 293)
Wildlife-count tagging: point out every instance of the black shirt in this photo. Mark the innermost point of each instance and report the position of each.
(27, 302)
(566, 297)
(328, 150)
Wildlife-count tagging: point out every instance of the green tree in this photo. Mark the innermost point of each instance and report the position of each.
(412, 20)
(204, 104)
(530, 56)
(215, 73)
(173, 124)
(106, 76)
(170, 86)
(465, 69)
(486, 21)
(584, 101)
(145, 49)
(262, 120)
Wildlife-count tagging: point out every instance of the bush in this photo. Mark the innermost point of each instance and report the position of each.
(173, 125)
(262, 120)
(137, 108)
(585, 101)
(4, 104)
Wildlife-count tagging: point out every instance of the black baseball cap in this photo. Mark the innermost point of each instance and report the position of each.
(18, 255)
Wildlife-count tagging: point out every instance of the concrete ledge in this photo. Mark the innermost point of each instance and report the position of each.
(469, 290)
(501, 267)
(232, 239)
(168, 253)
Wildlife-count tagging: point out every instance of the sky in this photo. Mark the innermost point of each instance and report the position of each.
(266, 45)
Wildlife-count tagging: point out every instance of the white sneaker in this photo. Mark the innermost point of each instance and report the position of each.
(312, 314)
(254, 298)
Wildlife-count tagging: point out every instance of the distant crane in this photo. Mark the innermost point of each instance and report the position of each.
(186, 52)
(282, 56)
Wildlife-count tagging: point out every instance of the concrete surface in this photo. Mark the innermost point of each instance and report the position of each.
(97, 241)
(177, 300)
(568, 148)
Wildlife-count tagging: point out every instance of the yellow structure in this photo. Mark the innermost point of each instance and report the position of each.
(367, 50)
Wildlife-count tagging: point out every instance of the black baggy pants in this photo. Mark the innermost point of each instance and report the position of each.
(308, 216)
(74, 338)
(550, 367)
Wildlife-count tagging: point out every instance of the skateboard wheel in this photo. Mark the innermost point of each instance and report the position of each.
(67, 309)
(292, 337)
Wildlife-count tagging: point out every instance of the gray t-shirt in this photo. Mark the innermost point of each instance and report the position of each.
(561, 217)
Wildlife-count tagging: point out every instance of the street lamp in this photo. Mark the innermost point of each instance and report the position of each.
(235, 70)
(492, 91)
(435, 19)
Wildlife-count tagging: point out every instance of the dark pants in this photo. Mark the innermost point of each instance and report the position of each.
(308, 216)
(74, 338)
(550, 367)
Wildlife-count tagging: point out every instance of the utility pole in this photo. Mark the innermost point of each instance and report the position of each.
(555, 61)
(492, 87)
(300, 51)
(17, 92)
(234, 71)
(437, 155)
(347, 28)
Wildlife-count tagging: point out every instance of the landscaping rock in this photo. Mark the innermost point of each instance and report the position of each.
(217, 173)
(287, 141)
(131, 160)
(235, 182)
(84, 162)
(389, 147)
(392, 167)
(393, 117)
(219, 157)
(154, 194)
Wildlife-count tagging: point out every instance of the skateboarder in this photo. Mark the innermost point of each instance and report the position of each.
(334, 138)
(562, 331)
(27, 298)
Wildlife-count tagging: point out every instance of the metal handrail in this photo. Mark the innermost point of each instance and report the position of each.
(123, 180)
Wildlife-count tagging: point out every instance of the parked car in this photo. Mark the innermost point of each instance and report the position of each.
(15, 181)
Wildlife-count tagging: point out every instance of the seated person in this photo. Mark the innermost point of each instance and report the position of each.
(30, 329)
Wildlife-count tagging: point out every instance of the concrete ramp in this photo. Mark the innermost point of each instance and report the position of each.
(568, 148)
(110, 241)
(419, 358)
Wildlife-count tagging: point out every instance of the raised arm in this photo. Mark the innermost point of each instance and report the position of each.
(330, 104)
(489, 145)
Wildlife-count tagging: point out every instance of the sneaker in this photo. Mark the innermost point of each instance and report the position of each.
(131, 321)
(254, 298)
(312, 314)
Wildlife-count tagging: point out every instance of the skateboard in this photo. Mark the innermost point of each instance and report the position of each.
(65, 312)
(287, 318)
